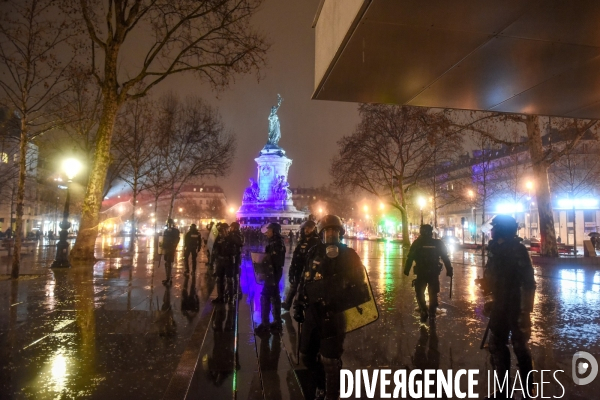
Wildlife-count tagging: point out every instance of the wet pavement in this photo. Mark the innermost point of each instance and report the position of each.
(111, 330)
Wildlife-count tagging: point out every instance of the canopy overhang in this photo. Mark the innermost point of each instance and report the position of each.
(516, 56)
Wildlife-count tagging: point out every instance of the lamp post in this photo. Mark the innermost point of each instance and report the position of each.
(471, 194)
(70, 167)
(529, 186)
(422, 203)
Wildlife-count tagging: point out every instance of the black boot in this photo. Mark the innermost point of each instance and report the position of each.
(229, 291)
(277, 324)
(265, 310)
(220, 290)
(332, 368)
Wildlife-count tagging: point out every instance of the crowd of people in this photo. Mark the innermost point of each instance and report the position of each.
(327, 279)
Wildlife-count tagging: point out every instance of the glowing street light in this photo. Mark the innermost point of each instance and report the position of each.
(366, 208)
(381, 206)
(422, 202)
(231, 210)
(70, 167)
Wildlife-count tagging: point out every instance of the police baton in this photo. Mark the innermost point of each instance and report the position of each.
(298, 343)
(485, 335)
(451, 286)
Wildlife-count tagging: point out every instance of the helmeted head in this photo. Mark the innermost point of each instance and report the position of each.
(308, 227)
(426, 230)
(331, 229)
(235, 226)
(223, 228)
(273, 229)
(170, 223)
(193, 227)
(504, 226)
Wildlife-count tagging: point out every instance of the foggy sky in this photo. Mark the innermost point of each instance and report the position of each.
(309, 128)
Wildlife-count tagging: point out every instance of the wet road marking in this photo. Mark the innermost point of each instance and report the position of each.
(39, 340)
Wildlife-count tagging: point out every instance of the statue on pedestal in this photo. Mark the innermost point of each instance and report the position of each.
(274, 128)
(282, 190)
(251, 193)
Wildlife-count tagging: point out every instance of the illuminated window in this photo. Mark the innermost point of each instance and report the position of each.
(4, 158)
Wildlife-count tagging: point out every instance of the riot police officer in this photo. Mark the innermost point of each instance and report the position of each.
(170, 242)
(270, 298)
(237, 239)
(508, 277)
(223, 252)
(330, 278)
(191, 246)
(309, 238)
(426, 252)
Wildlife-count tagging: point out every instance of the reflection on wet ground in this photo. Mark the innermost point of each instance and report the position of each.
(111, 330)
(103, 330)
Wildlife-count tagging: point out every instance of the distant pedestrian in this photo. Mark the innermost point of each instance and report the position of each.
(170, 242)
(558, 240)
(191, 246)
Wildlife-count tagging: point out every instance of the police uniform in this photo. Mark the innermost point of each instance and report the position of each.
(270, 297)
(170, 242)
(332, 282)
(224, 253)
(509, 278)
(192, 243)
(298, 263)
(237, 239)
(426, 252)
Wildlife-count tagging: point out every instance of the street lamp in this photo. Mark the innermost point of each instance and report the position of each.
(422, 203)
(529, 186)
(71, 167)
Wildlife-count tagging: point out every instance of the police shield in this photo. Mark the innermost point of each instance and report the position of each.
(262, 267)
(212, 236)
(351, 300)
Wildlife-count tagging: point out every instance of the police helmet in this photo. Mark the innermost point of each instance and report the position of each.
(224, 226)
(331, 221)
(426, 230)
(193, 226)
(170, 222)
(505, 225)
(275, 227)
(235, 225)
(309, 224)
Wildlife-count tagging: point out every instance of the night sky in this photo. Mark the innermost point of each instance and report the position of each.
(309, 128)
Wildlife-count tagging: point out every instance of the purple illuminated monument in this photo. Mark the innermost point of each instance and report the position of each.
(268, 198)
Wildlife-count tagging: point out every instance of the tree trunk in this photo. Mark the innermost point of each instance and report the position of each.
(405, 231)
(540, 173)
(133, 221)
(88, 228)
(16, 259)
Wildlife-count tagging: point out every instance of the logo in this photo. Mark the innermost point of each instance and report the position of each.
(584, 364)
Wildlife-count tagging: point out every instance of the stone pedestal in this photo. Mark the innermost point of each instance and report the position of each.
(268, 198)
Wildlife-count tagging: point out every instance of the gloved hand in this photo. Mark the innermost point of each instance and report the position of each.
(450, 272)
(299, 312)
(525, 324)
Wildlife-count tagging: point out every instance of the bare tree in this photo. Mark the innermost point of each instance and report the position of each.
(388, 153)
(435, 180)
(32, 32)
(212, 39)
(486, 179)
(193, 143)
(577, 173)
(136, 145)
(495, 127)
